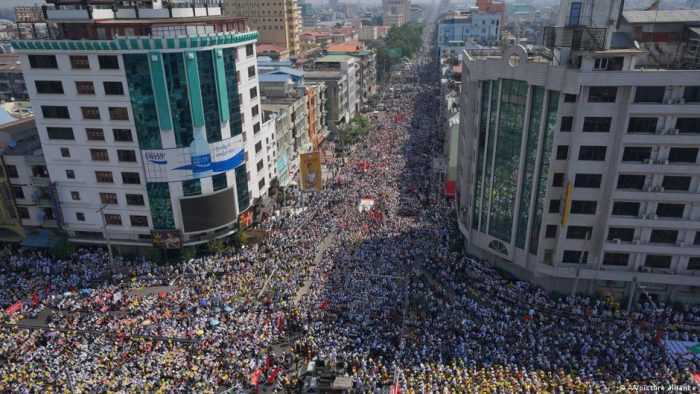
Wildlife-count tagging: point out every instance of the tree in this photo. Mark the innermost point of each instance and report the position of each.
(188, 254)
(63, 248)
(216, 246)
(155, 256)
(240, 238)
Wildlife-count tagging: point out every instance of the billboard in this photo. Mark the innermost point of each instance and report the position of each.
(245, 220)
(282, 168)
(311, 175)
(209, 211)
(197, 161)
(166, 239)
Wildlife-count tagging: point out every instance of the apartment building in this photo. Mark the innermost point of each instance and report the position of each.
(579, 162)
(277, 22)
(145, 117)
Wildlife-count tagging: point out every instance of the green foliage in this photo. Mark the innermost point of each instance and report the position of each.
(155, 256)
(188, 254)
(63, 248)
(399, 42)
(216, 246)
(240, 238)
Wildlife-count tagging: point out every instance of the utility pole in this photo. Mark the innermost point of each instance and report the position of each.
(106, 234)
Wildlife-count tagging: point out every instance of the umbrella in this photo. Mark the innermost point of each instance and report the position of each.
(203, 302)
(51, 334)
(213, 322)
(200, 332)
(67, 294)
(228, 309)
(145, 322)
(84, 291)
(217, 310)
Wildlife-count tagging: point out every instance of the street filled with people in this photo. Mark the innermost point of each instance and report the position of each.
(362, 277)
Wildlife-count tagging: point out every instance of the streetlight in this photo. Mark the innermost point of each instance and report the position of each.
(106, 235)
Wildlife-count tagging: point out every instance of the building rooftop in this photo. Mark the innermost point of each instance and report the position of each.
(345, 47)
(289, 71)
(334, 59)
(664, 16)
(273, 77)
(263, 48)
(323, 75)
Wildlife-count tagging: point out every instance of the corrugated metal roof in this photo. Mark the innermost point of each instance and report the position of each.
(334, 59)
(695, 30)
(273, 77)
(290, 71)
(664, 16)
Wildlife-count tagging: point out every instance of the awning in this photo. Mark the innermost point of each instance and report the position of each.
(450, 189)
(42, 239)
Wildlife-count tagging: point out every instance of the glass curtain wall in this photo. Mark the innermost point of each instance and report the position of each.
(493, 116)
(161, 206)
(242, 188)
(232, 88)
(207, 81)
(175, 76)
(143, 103)
(483, 124)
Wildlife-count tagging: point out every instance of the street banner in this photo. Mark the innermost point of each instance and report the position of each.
(311, 175)
(245, 220)
(166, 239)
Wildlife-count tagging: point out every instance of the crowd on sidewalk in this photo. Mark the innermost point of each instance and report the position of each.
(389, 300)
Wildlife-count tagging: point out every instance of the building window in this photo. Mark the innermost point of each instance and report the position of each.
(49, 87)
(95, 134)
(649, 94)
(84, 87)
(574, 257)
(579, 232)
(65, 152)
(696, 240)
(592, 153)
(253, 92)
(108, 62)
(42, 61)
(99, 154)
(143, 102)
(113, 219)
(251, 72)
(588, 180)
(567, 123)
(255, 110)
(256, 128)
(618, 259)
(569, 98)
(249, 50)
(683, 155)
(602, 94)
(75, 196)
(192, 187)
(623, 234)
(78, 62)
(643, 125)
(131, 178)
(113, 88)
(691, 94)
(677, 183)
(134, 199)
(596, 124)
(583, 207)
(17, 191)
(70, 174)
(258, 147)
(694, 263)
(118, 113)
(550, 231)
(138, 221)
(575, 14)
(636, 153)
(666, 210)
(635, 182)
(60, 133)
(558, 179)
(625, 208)
(109, 198)
(104, 177)
(122, 135)
(92, 113)
(562, 152)
(554, 206)
(79, 216)
(23, 212)
(657, 261)
(126, 155)
(688, 125)
(55, 112)
(260, 165)
(261, 183)
(664, 236)
(219, 181)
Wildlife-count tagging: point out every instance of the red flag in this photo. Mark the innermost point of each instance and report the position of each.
(255, 377)
(35, 300)
(696, 376)
(395, 389)
(324, 304)
(273, 375)
(280, 323)
(527, 317)
(162, 294)
(14, 308)
(268, 362)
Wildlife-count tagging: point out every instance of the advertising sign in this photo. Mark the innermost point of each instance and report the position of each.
(199, 160)
(166, 239)
(282, 168)
(311, 175)
(245, 220)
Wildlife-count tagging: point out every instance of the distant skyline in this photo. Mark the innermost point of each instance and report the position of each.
(12, 3)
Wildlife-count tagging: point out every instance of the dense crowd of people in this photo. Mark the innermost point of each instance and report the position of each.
(377, 294)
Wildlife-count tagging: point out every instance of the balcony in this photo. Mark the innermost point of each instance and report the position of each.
(40, 181)
(53, 223)
(35, 159)
(44, 202)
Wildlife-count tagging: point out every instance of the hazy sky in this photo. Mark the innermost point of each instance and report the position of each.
(12, 3)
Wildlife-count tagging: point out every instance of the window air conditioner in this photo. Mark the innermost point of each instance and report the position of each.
(675, 131)
(680, 244)
(641, 216)
(660, 130)
(647, 188)
(663, 162)
(648, 161)
(660, 189)
(636, 242)
(616, 240)
(645, 270)
(652, 217)
(669, 101)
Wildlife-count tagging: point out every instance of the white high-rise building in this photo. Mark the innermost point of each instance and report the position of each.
(579, 167)
(145, 119)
